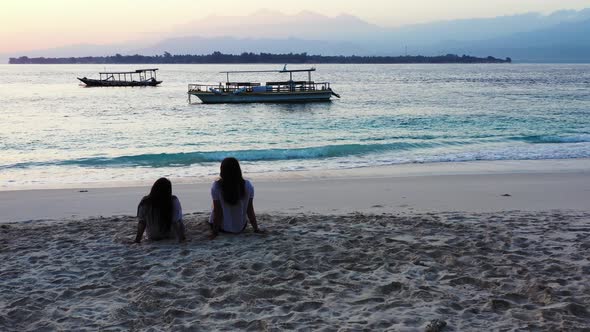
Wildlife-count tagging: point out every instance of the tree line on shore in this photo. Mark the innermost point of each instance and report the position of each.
(253, 58)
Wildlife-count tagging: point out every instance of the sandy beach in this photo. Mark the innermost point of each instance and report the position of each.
(468, 246)
(405, 165)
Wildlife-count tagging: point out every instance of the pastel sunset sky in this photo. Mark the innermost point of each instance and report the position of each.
(36, 24)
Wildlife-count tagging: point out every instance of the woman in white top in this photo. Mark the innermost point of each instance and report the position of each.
(232, 200)
(160, 214)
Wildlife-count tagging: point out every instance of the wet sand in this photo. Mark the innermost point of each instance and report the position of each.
(470, 187)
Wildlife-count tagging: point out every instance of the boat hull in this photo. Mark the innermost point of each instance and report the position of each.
(285, 97)
(93, 82)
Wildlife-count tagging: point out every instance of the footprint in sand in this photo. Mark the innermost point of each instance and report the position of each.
(499, 305)
(307, 306)
(390, 288)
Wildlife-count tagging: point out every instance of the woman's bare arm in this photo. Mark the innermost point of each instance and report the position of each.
(252, 216)
(180, 231)
(140, 230)
(179, 228)
(217, 218)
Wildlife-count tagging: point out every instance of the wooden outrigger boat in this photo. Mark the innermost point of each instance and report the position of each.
(272, 92)
(138, 77)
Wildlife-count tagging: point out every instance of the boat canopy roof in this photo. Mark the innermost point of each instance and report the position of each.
(284, 70)
(289, 82)
(129, 72)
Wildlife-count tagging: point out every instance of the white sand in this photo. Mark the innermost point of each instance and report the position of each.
(488, 272)
(372, 249)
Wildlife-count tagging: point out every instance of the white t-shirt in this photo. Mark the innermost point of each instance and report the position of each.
(146, 213)
(234, 216)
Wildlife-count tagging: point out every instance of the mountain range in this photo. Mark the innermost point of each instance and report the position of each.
(562, 36)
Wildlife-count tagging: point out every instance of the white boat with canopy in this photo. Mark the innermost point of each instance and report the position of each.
(137, 77)
(252, 92)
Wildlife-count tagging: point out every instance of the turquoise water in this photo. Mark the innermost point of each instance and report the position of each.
(55, 132)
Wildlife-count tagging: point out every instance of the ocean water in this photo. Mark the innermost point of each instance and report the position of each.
(54, 132)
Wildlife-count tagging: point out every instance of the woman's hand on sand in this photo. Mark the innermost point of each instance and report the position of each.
(260, 231)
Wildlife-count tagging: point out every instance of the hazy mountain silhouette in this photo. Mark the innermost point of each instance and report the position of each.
(485, 28)
(275, 25)
(558, 37)
(516, 36)
(565, 42)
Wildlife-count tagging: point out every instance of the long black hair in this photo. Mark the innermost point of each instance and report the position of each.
(231, 181)
(160, 202)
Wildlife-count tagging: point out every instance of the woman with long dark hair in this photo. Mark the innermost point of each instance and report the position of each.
(160, 213)
(233, 200)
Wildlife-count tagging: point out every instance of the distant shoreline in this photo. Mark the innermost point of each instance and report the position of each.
(261, 58)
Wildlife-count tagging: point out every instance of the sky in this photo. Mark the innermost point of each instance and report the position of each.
(40, 24)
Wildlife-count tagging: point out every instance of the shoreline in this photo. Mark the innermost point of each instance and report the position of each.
(468, 187)
(482, 167)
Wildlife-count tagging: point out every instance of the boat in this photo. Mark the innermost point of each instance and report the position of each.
(138, 77)
(271, 92)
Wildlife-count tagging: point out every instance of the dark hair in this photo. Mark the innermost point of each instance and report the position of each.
(160, 202)
(232, 183)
